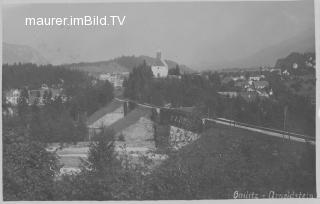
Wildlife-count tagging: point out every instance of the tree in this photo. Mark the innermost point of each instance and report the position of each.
(19, 75)
(105, 175)
(139, 83)
(214, 78)
(28, 169)
(5, 105)
(47, 97)
(175, 71)
(102, 156)
(23, 102)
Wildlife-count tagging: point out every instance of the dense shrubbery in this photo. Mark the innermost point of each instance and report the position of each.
(213, 167)
(304, 62)
(187, 91)
(56, 121)
(104, 176)
(91, 98)
(222, 162)
(33, 76)
(28, 169)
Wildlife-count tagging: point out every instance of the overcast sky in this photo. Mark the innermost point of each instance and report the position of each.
(190, 33)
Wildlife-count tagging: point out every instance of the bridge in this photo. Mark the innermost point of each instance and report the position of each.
(264, 130)
(178, 119)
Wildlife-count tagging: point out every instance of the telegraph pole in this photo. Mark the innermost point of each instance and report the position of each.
(285, 118)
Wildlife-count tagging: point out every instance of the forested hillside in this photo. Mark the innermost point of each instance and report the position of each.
(121, 64)
(33, 76)
(297, 63)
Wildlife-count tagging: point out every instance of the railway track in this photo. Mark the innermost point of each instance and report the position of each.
(267, 131)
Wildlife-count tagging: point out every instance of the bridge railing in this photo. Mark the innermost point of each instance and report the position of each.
(235, 123)
(181, 119)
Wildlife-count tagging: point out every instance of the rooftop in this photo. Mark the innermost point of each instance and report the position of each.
(261, 83)
(157, 62)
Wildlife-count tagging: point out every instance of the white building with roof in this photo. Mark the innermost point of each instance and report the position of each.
(159, 67)
(116, 79)
(12, 96)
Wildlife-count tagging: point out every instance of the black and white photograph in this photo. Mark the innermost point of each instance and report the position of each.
(159, 100)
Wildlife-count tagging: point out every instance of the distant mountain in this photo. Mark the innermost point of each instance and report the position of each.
(98, 67)
(12, 53)
(268, 56)
(121, 64)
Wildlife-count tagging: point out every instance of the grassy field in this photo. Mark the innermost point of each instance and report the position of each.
(225, 160)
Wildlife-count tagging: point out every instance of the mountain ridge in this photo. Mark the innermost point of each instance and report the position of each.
(302, 43)
(14, 53)
(122, 64)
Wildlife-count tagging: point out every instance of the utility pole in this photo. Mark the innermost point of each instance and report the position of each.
(285, 118)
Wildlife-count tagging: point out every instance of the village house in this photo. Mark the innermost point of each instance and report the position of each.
(116, 79)
(8, 111)
(159, 67)
(295, 66)
(276, 70)
(12, 96)
(37, 95)
(308, 64)
(262, 93)
(104, 77)
(260, 84)
(44, 87)
(250, 89)
(226, 80)
(254, 78)
(242, 84)
(285, 73)
(237, 78)
(230, 94)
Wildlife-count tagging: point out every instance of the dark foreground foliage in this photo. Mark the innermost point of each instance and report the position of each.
(214, 167)
(225, 161)
(28, 169)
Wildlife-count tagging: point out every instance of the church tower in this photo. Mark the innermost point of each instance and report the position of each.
(158, 55)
